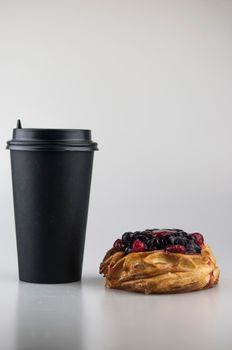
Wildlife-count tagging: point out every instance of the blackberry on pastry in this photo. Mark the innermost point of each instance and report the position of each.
(160, 261)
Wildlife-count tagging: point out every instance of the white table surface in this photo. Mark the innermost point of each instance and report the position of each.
(87, 316)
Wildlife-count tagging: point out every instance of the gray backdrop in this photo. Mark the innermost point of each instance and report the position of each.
(153, 80)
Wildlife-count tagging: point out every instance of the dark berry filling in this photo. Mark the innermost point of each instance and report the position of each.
(138, 246)
(118, 244)
(176, 248)
(169, 240)
(198, 238)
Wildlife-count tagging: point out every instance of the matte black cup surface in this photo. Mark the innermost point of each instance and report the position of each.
(51, 189)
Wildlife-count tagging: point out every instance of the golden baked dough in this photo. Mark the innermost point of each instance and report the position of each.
(159, 271)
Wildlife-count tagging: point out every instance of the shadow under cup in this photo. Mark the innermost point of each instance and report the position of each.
(51, 174)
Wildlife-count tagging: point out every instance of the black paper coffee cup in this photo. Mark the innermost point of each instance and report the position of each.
(51, 174)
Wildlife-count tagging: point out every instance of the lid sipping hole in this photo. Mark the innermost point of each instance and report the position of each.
(19, 125)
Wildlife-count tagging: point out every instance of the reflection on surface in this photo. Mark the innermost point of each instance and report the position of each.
(86, 316)
(167, 321)
(49, 317)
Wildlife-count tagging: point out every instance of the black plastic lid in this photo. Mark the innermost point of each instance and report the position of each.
(51, 140)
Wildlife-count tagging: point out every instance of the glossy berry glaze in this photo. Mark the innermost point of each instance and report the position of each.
(169, 240)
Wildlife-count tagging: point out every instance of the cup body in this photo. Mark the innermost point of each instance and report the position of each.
(51, 196)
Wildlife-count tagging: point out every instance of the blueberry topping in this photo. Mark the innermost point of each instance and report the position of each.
(152, 243)
(180, 241)
(192, 247)
(127, 237)
(170, 240)
(128, 250)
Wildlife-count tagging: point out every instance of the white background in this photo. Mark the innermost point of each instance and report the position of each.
(153, 81)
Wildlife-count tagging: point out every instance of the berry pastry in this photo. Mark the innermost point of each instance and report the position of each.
(160, 261)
